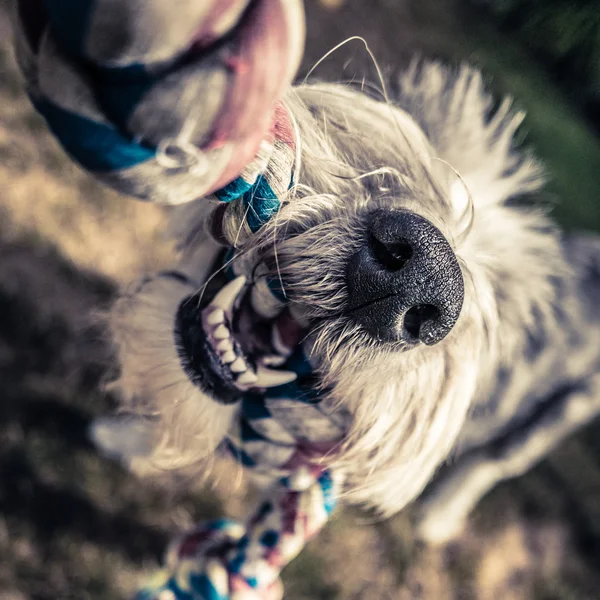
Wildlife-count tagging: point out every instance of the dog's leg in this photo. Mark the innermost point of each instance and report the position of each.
(443, 511)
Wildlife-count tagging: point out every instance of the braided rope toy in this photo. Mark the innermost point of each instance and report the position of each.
(223, 559)
(170, 105)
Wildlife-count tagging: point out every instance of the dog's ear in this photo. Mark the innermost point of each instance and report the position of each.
(123, 438)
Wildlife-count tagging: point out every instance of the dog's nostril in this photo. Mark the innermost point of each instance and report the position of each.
(392, 256)
(417, 316)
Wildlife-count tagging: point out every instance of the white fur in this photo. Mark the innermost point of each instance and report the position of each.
(406, 408)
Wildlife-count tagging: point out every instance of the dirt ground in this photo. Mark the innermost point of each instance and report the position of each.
(73, 525)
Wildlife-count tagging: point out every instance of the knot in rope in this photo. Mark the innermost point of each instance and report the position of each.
(224, 560)
(165, 102)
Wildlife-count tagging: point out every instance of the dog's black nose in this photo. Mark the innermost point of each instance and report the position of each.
(405, 283)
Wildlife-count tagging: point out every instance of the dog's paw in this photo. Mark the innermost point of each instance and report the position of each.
(122, 438)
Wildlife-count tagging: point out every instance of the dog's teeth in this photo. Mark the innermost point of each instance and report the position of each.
(215, 317)
(271, 378)
(225, 345)
(227, 295)
(238, 366)
(228, 357)
(221, 333)
(247, 378)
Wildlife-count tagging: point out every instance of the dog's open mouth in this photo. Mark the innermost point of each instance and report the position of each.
(226, 348)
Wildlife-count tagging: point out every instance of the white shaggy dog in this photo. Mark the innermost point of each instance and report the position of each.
(430, 294)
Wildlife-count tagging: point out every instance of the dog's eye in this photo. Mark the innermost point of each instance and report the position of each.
(393, 256)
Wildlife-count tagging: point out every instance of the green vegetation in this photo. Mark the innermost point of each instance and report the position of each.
(547, 55)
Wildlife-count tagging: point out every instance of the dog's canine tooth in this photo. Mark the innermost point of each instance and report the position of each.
(227, 295)
(228, 357)
(239, 366)
(272, 378)
(221, 333)
(247, 378)
(225, 345)
(215, 317)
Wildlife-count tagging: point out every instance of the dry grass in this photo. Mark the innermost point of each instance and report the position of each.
(73, 525)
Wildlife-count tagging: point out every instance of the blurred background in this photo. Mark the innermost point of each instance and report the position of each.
(73, 525)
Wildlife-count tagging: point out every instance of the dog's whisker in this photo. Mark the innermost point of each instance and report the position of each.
(468, 210)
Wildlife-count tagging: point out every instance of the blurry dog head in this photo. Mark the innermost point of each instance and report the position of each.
(398, 250)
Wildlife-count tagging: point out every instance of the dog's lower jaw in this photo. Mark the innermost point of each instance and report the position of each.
(199, 358)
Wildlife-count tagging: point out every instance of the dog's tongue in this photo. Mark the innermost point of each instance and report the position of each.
(263, 54)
